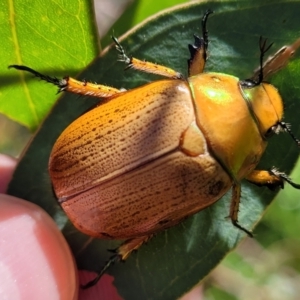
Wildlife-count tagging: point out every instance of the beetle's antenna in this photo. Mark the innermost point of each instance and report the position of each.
(61, 83)
(264, 48)
(287, 128)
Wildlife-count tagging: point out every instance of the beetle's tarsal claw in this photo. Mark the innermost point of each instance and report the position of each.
(198, 51)
(284, 177)
(129, 64)
(262, 45)
(204, 30)
(111, 261)
(258, 78)
(125, 59)
(122, 56)
(61, 83)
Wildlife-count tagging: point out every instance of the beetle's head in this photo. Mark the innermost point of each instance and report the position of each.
(266, 107)
(264, 102)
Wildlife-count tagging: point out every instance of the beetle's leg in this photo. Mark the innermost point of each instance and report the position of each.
(272, 179)
(145, 66)
(72, 85)
(234, 208)
(198, 51)
(121, 254)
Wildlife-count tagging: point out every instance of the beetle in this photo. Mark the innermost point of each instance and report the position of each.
(147, 158)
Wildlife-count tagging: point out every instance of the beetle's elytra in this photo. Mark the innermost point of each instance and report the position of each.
(147, 158)
(160, 132)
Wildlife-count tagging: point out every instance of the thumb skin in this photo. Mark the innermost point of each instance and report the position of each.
(35, 260)
(7, 166)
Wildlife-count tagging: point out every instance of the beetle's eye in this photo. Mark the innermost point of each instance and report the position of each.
(270, 132)
(248, 83)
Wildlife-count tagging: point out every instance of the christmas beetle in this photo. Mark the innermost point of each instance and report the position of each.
(147, 158)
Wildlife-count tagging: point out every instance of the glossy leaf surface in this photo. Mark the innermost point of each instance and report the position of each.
(55, 37)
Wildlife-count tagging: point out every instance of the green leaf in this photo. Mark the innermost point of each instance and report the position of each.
(176, 259)
(138, 11)
(42, 36)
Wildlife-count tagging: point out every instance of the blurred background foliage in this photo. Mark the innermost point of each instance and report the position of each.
(266, 267)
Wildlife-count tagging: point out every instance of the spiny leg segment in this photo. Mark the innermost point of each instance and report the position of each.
(145, 66)
(198, 51)
(196, 63)
(72, 85)
(271, 179)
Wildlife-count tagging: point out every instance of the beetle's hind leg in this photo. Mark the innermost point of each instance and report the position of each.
(120, 254)
(72, 85)
(145, 66)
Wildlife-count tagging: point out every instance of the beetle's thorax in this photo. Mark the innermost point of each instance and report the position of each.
(233, 127)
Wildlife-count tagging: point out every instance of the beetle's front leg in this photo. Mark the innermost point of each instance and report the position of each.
(145, 66)
(198, 51)
(72, 85)
(120, 254)
(272, 179)
(234, 208)
(196, 63)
